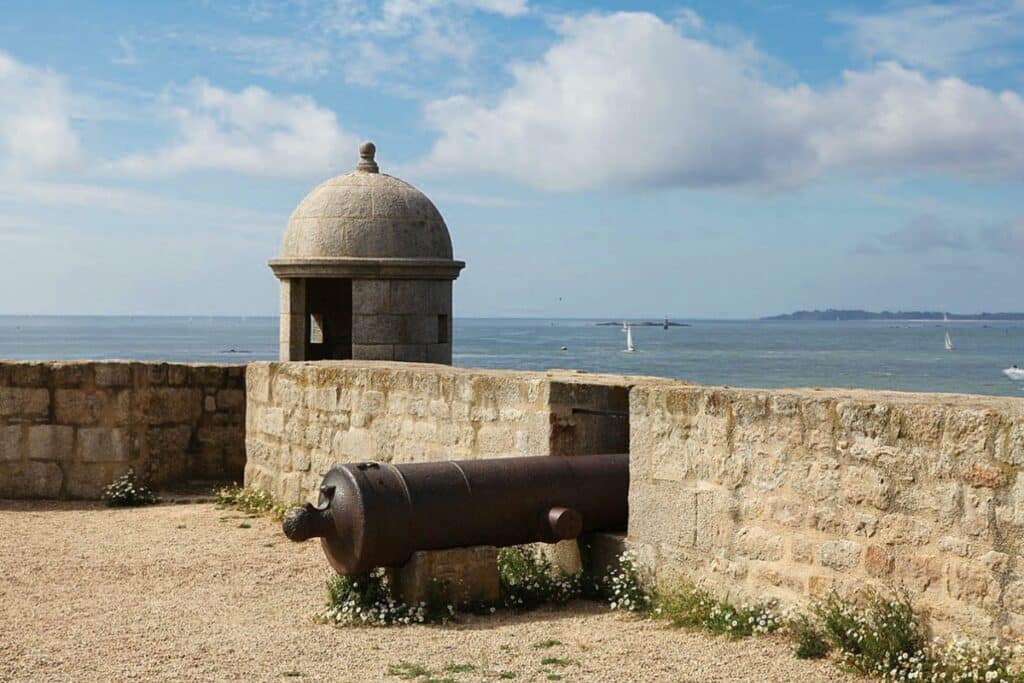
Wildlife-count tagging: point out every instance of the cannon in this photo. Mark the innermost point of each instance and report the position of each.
(377, 514)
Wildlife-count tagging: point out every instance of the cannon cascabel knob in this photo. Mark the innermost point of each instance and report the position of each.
(306, 522)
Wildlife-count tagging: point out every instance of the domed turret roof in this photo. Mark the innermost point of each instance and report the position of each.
(364, 216)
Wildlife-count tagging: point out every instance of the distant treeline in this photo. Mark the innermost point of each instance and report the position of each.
(833, 314)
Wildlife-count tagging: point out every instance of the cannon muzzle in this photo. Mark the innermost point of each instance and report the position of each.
(377, 515)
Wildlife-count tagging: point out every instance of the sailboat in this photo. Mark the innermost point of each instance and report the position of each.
(629, 337)
(665, 327)
(949, 343)
(945, 317)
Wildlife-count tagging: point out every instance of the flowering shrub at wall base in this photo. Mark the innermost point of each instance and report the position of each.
(691, 607)
(126, 491)
(622, 585)
(527, 579)
(883, 637)
(368, 600)
(251, 501)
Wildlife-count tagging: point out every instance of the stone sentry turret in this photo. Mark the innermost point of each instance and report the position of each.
(366, 272)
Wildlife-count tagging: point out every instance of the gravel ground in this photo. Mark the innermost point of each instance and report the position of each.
(190, 592)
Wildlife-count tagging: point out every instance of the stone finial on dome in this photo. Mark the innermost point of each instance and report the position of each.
(366, 162)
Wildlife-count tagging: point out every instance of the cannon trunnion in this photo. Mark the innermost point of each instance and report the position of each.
(377, 515)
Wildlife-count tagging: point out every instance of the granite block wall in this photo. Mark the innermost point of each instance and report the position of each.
(790, 493)
(67, 429)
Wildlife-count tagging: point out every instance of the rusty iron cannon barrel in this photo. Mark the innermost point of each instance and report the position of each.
(377, 515)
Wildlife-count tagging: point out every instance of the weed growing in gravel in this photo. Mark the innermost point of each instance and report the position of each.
(691, 607)
(526, 580)
(250, 501)
(810, 641)
(545, 644)
(126, 491)
(622, 585)
(556, 661)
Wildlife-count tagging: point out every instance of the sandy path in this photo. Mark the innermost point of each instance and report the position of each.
(185, 593)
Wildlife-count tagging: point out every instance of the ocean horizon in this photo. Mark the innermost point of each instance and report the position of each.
(902, 355)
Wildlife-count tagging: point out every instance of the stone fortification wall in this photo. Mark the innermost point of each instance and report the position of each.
(791, 493)
(67, 429)
(304, 418)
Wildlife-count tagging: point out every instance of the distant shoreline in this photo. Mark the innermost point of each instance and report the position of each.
(897, 316)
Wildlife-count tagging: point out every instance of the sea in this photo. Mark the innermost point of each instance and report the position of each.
(900, 355)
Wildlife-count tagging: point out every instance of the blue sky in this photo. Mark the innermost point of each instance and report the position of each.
(601, 159)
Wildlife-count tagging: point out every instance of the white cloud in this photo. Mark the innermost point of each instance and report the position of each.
(250, 131)
(939, 36)
(400, 37)
(36, 134)
(626, 100)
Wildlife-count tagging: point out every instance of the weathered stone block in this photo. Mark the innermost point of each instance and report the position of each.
(759, 544)
(88, 480)
(163, 405)
(454, 577)
(378, 329)
(972, 583)
(10, 443)
(69, 375)
(29, 374)
(919, 572)
(439, 353)
(373, 351)
(103, 444)
(113, 374)
(803, 551)
(878, 561)
(177, 375)
(206, 375)
(660, 513)
(79, 407)
(840, 555)
(421, 329)
(33, 479)
(219, 437)
(371, 296)
(50, 442)
(22, 402)
(411, 353)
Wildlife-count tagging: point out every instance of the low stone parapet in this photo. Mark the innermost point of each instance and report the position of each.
(67, 429)
(305, 417)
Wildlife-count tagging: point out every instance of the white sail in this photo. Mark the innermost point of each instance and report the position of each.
(629, 339)
(949, 343)
(945, 317)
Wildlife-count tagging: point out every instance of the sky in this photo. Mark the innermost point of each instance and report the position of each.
(606, 159)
